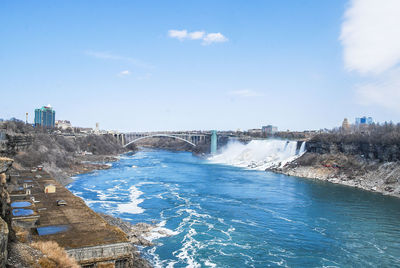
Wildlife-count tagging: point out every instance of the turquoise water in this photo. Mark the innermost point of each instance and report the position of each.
(22, 212)
(20, 204)
(224, 216)
(47, 230)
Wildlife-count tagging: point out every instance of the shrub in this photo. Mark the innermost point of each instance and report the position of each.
(55, 255)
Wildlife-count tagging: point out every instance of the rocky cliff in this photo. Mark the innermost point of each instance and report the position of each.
(350, 170)
(368, 160)
(365, 149)
(5, 164)
(62, 155)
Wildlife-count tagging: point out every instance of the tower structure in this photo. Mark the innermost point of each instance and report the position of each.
(45, 116)
(214, 140)
(345, 125)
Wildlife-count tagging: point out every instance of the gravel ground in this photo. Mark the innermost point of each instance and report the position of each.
(22, 255)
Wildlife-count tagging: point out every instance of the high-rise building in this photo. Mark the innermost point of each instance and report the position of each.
(345, 125)
(364, 121)
(45, 116)
(269, 130)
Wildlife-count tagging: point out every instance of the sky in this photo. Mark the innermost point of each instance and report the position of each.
(201, 65)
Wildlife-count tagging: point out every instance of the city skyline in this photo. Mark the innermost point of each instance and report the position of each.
(134, 66)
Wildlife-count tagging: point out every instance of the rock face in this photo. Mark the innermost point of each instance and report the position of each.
(3, 242)
(369, 160)
(5, 164)
(350, 170)
(372, 151)
(15, 143)
(137, 233)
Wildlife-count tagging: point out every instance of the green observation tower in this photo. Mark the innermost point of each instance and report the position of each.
(213, 142)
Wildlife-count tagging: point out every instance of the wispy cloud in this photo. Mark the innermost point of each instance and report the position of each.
(178, 34)
(196, 35)
(111, 56)
(214, 38)
(371, 43)
(124, 73)
(207, 38)
(383, 90)
(245, 93)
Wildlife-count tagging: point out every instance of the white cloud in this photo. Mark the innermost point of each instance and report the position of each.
(383, 91)
(207, 39)
(214, 38)
(196, 35)
(370, 37)
(124, 73)
(245, 93)
(111, 56)
(178, 34)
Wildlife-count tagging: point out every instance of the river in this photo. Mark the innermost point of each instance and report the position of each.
(225, 216)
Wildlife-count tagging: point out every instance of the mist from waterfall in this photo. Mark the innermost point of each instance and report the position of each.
(259, 154)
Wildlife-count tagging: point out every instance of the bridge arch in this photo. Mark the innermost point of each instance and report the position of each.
(160, 135)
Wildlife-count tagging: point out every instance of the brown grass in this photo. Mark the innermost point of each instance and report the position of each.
(55, 255)
(46, 263)
(106, 265)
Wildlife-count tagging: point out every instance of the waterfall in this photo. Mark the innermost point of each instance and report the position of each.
(302, 148)
(258, 154)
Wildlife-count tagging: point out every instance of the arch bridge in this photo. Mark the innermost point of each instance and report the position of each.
(191, 138)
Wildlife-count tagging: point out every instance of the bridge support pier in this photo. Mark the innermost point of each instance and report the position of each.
(214, 140)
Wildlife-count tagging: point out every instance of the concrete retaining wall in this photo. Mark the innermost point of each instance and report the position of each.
(101, 254)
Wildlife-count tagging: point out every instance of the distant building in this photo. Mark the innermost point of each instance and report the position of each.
(86, 130)
(269, 130)
(45, 116)
(364, 121)
(345, 125)
(254, 131)
(63, 124)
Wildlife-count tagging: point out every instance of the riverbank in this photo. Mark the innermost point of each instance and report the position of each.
(349, 170)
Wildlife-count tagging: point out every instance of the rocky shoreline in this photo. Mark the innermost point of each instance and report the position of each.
(140, 233)
(346, 170)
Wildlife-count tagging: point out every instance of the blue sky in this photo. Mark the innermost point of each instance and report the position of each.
(130, 66)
